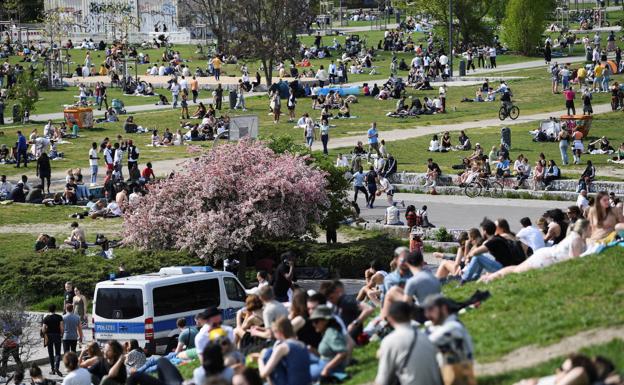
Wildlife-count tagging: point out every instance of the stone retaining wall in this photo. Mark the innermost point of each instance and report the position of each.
(563, 185)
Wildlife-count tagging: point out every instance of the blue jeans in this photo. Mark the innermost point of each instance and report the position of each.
(325, 140)
(563, 148)
(82, 192)
(94, 171)
(309, 140)
(477, 264)
(175, 100)
(316, 367)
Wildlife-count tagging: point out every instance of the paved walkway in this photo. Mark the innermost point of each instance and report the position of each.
(460, 212)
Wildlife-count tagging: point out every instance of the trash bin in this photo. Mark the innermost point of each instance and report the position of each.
(506, 137)
(462, 68)
(233, 97)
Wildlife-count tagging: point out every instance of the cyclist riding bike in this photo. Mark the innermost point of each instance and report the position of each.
(506, 96)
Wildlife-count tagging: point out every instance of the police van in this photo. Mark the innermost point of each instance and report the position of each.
(146, 307)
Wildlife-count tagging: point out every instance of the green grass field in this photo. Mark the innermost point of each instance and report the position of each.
(532, 94)
(412, 154)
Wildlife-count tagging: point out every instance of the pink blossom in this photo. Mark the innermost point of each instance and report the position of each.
(228, 200)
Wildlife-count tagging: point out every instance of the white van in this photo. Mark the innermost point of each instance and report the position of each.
(146, 307)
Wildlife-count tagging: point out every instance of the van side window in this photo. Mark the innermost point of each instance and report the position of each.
(184, 297)
(234, 290)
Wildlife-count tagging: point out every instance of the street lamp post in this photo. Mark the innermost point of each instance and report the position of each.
(450, 37)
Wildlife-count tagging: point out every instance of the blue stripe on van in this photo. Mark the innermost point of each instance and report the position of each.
(159, 326)
(120, 327)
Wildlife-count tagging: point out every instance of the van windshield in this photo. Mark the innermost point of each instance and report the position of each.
(118, 303)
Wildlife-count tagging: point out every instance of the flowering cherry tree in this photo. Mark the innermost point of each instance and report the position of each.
(226, 201)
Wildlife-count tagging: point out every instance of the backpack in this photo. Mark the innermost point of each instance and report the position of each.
(419, 218)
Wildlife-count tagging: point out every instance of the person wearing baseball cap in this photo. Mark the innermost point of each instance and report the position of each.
(450, 336)
(406, 353)
(209, 321)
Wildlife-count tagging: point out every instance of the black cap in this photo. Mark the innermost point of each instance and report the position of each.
(209, 313)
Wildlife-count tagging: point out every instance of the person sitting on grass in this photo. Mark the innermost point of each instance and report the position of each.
(374, 277)
(502, 168)
(464, 142)
(451, 266)
(77, 239)
(572, 246)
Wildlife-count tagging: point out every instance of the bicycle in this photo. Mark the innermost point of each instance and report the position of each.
(513, 112)
(475, 188)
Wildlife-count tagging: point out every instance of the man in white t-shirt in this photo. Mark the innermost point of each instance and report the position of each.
(76, 375)
(154, 70)
(582, 202)
(93, 162)
(209, 321)
(530, 235)
(161, 70)
(175, 93)
(48, 129)
(184, 85)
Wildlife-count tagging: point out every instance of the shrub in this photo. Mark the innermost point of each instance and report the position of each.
(442, 235)
(43, 276)
(346, 260)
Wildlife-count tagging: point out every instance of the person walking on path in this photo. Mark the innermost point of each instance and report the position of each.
(44, 170)
(564, 145)
(72, 330)
(218, 97)
(569, 95)
(216, 65)
(310, 133)
(194, 89)
(175, 93)
(373, 139)
(325, 134)
(22, 148)
(93, 162)
(52, 330)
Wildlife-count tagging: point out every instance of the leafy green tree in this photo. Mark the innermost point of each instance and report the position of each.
(23, 10)
(524, 24)
(25, 92)
(470, 25)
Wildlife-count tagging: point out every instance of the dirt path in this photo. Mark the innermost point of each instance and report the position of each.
(533, 355)
(90, 226)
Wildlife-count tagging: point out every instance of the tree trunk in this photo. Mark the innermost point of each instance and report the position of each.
(268, 71)
(242, 268)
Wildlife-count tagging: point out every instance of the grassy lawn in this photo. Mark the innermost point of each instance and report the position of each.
(22, 213)
(532, 94)
(613, 350)
(412, 154)
(539, 307)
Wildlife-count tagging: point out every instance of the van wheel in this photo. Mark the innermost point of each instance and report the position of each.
(172, 344)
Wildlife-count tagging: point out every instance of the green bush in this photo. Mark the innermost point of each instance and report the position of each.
(442, 235)
(346, 260)
(44, 275)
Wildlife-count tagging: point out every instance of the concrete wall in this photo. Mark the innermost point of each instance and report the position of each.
(566, 185)
(95, 16)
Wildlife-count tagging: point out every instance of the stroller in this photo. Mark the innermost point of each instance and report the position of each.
(118, 106)
(506, 137)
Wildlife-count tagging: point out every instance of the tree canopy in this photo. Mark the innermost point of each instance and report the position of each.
(524, 24)
(228, 200)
